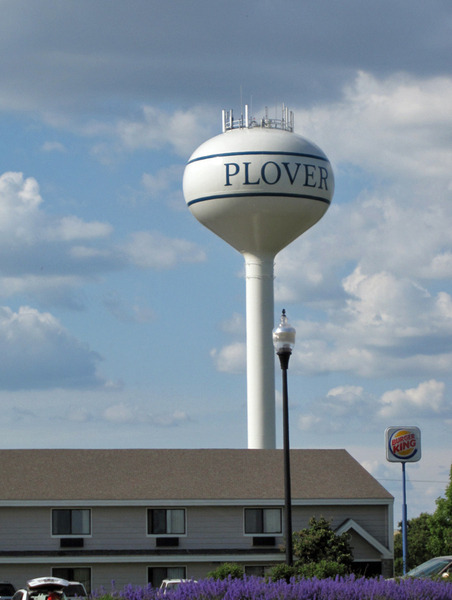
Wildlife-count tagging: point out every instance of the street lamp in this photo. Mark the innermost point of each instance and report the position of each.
(284, 341)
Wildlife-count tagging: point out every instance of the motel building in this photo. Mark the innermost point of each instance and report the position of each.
(140, 516)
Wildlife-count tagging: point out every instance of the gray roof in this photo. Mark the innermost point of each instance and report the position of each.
(207, 474)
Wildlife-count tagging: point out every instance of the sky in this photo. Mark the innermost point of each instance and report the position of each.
(122, 319)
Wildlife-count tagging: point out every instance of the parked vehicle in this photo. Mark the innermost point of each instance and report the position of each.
(43, 588)
(7, 590)
(171, 584)
(439, 567)
(75, 590)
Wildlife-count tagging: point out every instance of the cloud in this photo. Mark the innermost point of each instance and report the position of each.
(236, 325)
(25, 227)
(53, 147)
(154, 250)
(349, 406)
(181, 130)
(342, 406)
(124, 413)
(73, 228)
(38, 353)
(230, 358)
(427, 399)
(187, 52)
(163, 181)
(373, 274)
(47, 258)
(387, 326)
(120, 308)
(121, 413)
(396, 126)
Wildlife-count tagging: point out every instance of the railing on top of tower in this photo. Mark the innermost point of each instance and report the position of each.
(286, 122)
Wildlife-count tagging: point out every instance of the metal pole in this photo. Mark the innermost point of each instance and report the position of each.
(284, 359)
(404, 521)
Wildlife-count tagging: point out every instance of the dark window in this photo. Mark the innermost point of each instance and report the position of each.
(263, 520)
(166, 521)
(80, 574)
(7, 589)
(255, 570)
(157, 574)
(70, 521)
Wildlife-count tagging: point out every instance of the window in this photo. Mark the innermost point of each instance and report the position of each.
(157, 574)
(263, 520)
(166, 521)
(255, 570)
(81, 574)
(71, 521)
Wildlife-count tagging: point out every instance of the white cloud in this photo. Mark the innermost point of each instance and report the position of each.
(53, 147)
(163, 181)
(39, 353)
(427, 399)
(23, 220)
(120, 308)
(308, 422)
(236, 325)
(124, 413)
(182, 130)
(230, 358)
(396, 126)
(153, 250)
(19, 207)
(121, 413)
(386, 327)
(73, 228)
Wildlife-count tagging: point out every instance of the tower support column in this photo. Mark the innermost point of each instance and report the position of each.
(260, 360)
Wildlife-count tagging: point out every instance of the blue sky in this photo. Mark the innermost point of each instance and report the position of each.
(122, 318)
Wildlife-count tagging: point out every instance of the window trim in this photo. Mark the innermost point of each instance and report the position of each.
(266, 533)
(72, 535)
(166, 535)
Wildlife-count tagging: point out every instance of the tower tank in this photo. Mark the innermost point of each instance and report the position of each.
(258, 186)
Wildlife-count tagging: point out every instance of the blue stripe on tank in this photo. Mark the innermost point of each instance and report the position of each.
(256, 195)
(258, 153)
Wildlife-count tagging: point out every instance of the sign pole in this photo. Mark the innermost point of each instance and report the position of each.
(404, 521)
(403, 444)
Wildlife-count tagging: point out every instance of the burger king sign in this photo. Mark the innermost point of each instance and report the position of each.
(403, 444)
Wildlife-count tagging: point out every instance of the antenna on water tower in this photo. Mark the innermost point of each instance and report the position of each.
(258, 186)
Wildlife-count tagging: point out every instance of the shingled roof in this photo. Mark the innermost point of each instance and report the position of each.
(206, 474)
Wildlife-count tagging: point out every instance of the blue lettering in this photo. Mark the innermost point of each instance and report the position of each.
(291, 177)
(247, 181)
(271, 172)
(323, 178)
(264, 175)
(309, 175)
(228, 172)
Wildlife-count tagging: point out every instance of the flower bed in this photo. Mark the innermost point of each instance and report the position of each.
(254, 588)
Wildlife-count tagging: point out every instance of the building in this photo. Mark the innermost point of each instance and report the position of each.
(138, 516)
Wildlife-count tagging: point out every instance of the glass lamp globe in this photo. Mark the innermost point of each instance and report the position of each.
(284, 336)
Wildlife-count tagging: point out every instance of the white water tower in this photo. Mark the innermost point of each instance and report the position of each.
(259, 186)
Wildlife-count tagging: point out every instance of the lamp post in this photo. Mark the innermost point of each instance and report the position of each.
(284, 341)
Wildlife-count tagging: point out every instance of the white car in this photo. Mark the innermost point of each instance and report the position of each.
(43, 588)
(171, 584)
(75, 590)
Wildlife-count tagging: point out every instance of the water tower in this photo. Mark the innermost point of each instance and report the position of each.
(259, 186)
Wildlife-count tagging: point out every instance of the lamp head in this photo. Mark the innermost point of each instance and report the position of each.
(284, 336)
